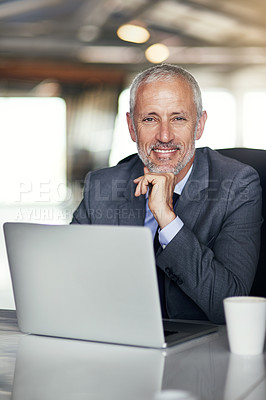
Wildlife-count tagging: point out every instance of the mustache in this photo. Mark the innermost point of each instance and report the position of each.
(164, 146)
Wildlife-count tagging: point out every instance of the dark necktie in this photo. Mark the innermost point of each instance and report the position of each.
(160, 273)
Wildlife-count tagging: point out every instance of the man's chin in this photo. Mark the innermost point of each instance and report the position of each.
(166, 167)
(161, 169)
(162, 166)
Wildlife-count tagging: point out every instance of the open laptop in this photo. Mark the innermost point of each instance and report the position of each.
(90, 282)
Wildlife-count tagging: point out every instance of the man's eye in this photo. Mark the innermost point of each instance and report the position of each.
(148, 119)
(180, 118)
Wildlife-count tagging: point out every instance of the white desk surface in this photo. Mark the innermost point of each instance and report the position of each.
(42, 368)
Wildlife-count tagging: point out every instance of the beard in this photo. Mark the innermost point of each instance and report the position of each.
(176, 168)
(166, 166)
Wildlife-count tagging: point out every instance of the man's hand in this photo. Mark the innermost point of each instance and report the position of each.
(161, 188)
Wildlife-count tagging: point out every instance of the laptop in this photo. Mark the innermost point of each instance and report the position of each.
(91, 282)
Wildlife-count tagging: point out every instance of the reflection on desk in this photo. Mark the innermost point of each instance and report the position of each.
(213, 373)
(242, 372)
(49, 368)
(62, 369)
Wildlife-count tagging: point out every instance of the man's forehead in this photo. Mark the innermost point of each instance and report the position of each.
(164, 86)
(168, 91)
(167, 80)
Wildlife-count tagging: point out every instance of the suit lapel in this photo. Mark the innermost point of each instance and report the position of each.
(191, 200)
(132, 209)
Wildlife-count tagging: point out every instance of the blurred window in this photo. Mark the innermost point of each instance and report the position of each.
(32, 150)
(220, 128)
(254, 106)
(122, 144)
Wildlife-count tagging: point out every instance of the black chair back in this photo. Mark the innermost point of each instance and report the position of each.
(257, 159)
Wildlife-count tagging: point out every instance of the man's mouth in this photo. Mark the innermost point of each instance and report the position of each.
(165, 150)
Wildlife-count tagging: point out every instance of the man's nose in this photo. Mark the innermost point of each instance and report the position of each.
(164, 133)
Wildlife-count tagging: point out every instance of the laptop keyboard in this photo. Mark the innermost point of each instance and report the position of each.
(178, 331)
(169, 327)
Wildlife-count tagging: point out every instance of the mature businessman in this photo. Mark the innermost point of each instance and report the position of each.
(209, 240)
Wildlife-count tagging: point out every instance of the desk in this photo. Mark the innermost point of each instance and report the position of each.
(42, 368)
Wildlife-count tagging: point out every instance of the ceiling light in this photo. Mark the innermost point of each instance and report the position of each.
(133, 33)
(157, 53)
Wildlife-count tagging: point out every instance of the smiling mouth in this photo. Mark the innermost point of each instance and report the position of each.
(165, 150)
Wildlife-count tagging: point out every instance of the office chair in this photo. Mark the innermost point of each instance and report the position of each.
(257, 159)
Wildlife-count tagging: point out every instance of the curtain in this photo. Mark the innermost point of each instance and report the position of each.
(90, 125)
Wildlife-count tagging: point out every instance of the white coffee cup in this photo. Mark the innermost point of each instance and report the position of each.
(246, 324)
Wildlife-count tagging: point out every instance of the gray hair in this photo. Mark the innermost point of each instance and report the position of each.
(164, 72)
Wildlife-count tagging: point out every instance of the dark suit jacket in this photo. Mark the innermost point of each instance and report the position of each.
(215, 254)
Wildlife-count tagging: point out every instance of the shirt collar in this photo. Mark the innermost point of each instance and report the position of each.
(180, 185)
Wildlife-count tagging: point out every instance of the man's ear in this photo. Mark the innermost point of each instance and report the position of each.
(131, 127)
(201, 125)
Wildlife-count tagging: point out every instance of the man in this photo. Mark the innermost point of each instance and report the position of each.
(209, 241)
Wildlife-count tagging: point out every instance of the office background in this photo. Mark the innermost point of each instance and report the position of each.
(64, 77)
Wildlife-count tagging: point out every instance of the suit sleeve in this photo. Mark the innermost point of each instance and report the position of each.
(226, 264)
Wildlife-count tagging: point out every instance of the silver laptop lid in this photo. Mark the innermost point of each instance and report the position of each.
(87, 282)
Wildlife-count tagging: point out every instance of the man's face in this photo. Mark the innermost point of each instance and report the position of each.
(166, 125)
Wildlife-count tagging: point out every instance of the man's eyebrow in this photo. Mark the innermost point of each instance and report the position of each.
(177, 113)
(173, 113)
(150, 113)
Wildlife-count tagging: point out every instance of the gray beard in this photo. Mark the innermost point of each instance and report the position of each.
(176, 169)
